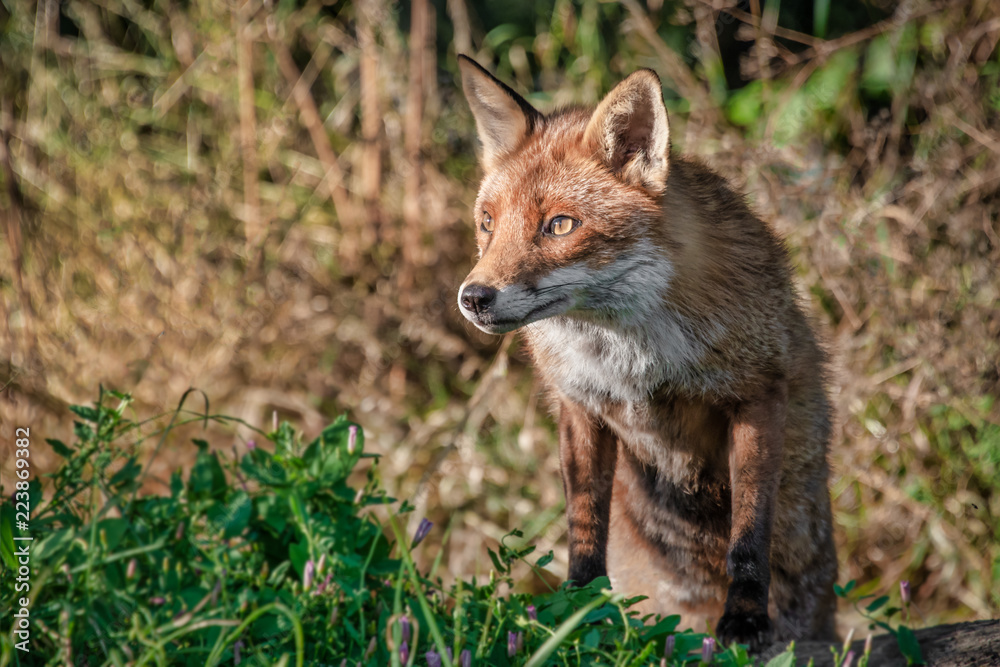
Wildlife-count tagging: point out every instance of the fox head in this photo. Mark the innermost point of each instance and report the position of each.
(569, 208)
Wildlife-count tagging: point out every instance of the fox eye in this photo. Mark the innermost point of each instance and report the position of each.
(487, 224)
(561, 225)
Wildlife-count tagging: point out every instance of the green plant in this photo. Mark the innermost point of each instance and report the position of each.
(279, 555)
(880, 615)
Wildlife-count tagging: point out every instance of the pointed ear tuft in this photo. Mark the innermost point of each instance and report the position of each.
(503, 118)
(630, 134)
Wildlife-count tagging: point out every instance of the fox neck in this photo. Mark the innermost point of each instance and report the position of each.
(595, 357)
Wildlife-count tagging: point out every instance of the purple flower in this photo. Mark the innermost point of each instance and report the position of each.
(307, 576)
(352, 438)
(236, 652)
(904, 591)
(532, 612)
(433, 659)
(848, 659)
(404, 628)
(511, 644)
(251, 445)
(465, 658)
(130, 570)
(668, 647)
(404, 653)
(422, 530)
(156, 601)
(451, 655)
(707, 649)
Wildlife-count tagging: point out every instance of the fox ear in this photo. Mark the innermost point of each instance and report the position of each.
(503, 118)
(629, 131)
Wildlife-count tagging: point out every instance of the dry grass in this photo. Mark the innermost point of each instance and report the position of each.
(141, 253)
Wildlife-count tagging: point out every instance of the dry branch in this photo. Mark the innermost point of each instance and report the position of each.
(248, 128)
(334, 175)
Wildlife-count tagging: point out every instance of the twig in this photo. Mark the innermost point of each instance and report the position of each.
(13, 218)
(777, 31)
(334, 175)
(371, 117)
(827, 48)
(672, 63)
(248, 128)
(460, 20)
(413, 126)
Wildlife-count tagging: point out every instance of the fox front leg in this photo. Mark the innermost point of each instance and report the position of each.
(755, 458)
(588, 451)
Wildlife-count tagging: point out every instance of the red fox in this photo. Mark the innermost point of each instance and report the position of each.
(659, 311)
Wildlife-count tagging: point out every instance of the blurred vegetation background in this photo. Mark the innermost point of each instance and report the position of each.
(271, 202)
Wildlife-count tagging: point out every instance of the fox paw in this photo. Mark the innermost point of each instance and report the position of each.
(753, 629)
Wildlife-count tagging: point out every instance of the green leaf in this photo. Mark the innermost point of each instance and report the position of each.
(207, 477)
(786, 659)
(909, 646)
(7, 536)
(59, 448)
(231, 518)
(566, 629)
(84, 412)
(545, 560)
(877, 603)
(496, 561)
(746, 104)
(54, 543)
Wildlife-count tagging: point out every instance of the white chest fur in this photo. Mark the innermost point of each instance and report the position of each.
(594, 363)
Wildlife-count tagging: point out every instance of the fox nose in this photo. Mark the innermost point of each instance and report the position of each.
(478, 298)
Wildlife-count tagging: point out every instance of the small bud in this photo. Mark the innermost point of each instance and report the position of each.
(422, 530)
(465, 658)
(707, 649)
(520, 641)
(156, 601)
(433, 659)
(532, 612)
(848, 659)
(237, 647)
(352, 438)
(868, 644)
(511, 644)
(130, 570)
(404, 628)
(334, 616)
(904, 591)
(67, 572)
(370, 651)
(307, 576)
(179, 533)
(451, 654)
(251, 445)
(404, 652)
(668, 647)
(359, 496)
(321, 565)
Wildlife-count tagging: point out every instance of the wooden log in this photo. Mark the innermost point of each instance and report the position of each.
(973, 644)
